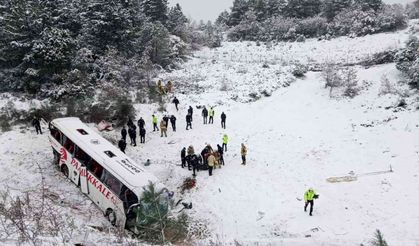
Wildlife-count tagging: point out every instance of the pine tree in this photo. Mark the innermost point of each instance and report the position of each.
(222, 19)
(21, 24)
(303, 8)
(332, 7)
(240, 7)
(369, 4)
(177, 21)
(155, 10)
(275, 8)
(379, 239)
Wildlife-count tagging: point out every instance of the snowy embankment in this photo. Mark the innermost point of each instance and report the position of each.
(297, 138)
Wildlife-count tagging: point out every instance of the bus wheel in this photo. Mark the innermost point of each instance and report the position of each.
(111, 216)
(64, 170)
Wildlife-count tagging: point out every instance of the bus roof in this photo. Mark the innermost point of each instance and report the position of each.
(106, 154)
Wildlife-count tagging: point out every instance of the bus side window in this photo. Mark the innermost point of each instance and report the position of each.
(82, 156)
(95, 168)
(111, 182)
(128, 197)
(55, 133)
(69, 145)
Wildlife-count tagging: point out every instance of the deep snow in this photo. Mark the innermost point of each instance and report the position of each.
(297, 138)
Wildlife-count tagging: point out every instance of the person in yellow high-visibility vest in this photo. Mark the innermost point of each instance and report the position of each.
(309, 197)
(155, 120)
(225, 141)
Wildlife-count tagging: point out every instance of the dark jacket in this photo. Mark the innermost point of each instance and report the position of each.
(220, 149)
(142, 132)
(173, 119)
(124, 132)
(188, 118)
(35, 122)
(190, 110)
(223, 116)
(183, 153)
(205, 112)
(141, 123)
(175, 101)
(132, 133)
(122, 144)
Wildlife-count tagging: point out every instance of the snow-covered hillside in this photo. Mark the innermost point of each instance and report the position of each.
(297, 138)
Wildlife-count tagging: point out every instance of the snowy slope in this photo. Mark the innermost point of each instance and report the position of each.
(297, 138)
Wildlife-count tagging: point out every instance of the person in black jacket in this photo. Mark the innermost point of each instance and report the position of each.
(166, 119)
(142, 135)
(132, 135)
(141, 123)
(122, 145)
(221, 152)
(223, 120)
(182, 157)
(173, 122)
(124, 133)
(190, 111)
(205, 115)
(176, 102)
(188, 121)
(37, 124)
(194, 162)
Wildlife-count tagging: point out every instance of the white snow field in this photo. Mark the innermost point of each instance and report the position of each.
(297, 138)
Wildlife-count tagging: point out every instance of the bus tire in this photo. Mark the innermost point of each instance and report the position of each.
(111, 216)
(64, 170)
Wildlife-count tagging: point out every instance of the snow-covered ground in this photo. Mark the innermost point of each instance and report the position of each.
(296, 138)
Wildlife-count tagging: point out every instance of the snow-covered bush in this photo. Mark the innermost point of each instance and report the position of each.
(312, 27)
(407, 61)
(331, 75)
(354, 22)
(386, 86)
(391, 17)
(299, 70)
(350, 82)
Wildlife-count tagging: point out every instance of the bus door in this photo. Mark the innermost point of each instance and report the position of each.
(83, 180)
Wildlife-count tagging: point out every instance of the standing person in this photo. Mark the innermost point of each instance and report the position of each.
(141, 123)
(211, 114)
(243, 152)
(163, 128)
(124, 133)
(223, 120)
(190, 111)
(194, 163)
(166, 119)
(204, 154)
(37, 124)
(173, 122)
(182, 157)
(130, 123)
(221, 153)
(225, 142)
(309, 197)
(190, 152)
(122, 145)
(176, 102)
(211, 163)
(142, 135)
(155, 120)
(205, 115)
(188, 121)
(132, 135)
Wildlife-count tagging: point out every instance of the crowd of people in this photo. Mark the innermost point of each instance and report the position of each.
(208, 159)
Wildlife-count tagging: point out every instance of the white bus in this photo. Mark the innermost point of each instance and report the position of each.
(112, 180)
